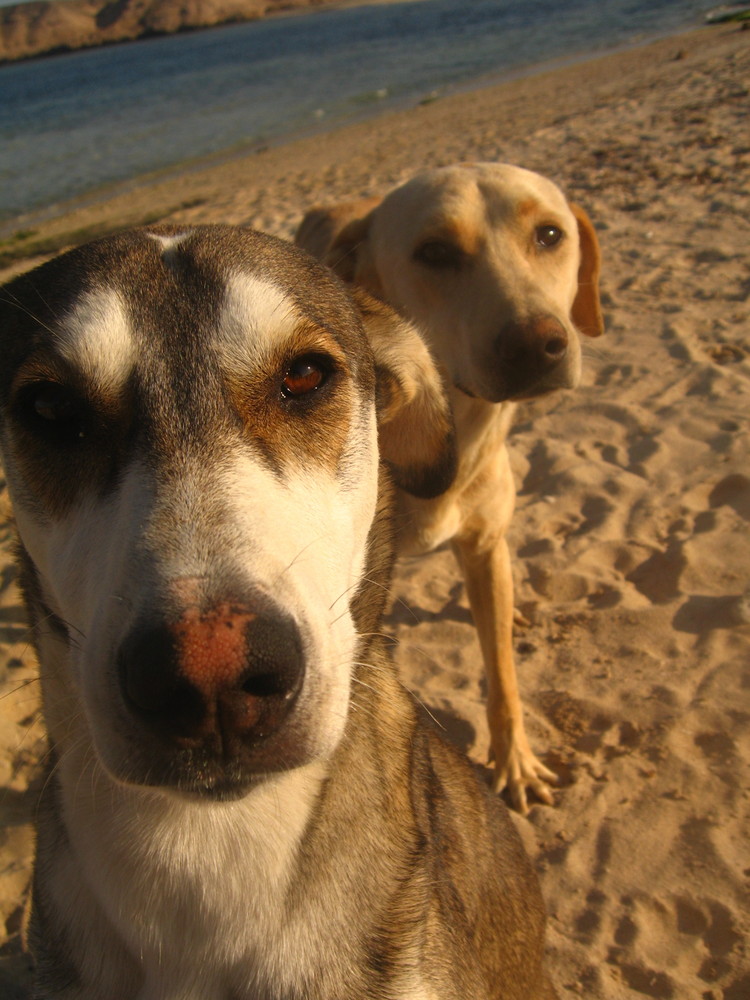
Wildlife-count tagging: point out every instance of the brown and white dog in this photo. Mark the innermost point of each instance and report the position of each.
(241, 803)
(500, 274)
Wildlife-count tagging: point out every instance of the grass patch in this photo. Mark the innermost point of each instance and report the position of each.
(30, 243)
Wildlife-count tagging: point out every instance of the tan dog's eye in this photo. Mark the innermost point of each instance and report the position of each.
(304, 375)
(439, 253)
(548, 236)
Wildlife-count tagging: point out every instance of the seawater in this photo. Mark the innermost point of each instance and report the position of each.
(74, 123)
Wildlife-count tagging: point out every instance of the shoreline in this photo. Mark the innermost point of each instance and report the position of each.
(98, 209)
(36, 217)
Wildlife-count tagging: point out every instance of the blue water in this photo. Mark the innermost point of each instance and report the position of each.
(75, 123)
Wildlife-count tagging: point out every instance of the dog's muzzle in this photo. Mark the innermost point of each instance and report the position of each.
(217, 683)
(531, 358)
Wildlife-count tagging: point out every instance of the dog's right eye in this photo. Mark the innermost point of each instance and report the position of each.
(305, 375)
(54, 409)
(439, 253)
(548, 236)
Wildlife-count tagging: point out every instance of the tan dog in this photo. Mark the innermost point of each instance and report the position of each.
(241, 801)
(500, 273)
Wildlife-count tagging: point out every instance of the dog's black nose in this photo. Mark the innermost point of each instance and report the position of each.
(220, 679)
(530, 349)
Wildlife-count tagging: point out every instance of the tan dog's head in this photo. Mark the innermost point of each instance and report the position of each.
(189, 426)
(498, 270)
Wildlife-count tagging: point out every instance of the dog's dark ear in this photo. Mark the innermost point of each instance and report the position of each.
(415, 423)
(318, 230)
(338, 235)
(587, 312)
(349, 254)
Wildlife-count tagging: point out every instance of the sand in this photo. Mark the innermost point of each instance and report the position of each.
(631, 541)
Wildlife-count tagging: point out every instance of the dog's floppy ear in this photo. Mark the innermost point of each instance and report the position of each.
(586, 312)
(415, 423)
(318, 230)
(348, 253)
(337, 235)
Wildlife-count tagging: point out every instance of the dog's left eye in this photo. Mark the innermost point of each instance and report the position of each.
(304, 375)
(548, 236)
(53, 408)
(439, 254)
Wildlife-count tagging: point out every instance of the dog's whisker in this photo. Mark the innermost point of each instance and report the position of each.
(11, 300)
(19, 687)
(388, 636)
(369, 582)
(69, 626)
(369, 665)
(343, 594)
(301, 552)
(597, 352)
(363, 708)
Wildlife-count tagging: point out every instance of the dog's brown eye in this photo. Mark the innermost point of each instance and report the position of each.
(548, 236)
(438, 253)
(53, 402)
(304, 375)
(50, 408)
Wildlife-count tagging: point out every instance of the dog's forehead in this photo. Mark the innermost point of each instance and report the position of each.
(475, 194)
(240, 288)
(107, 302)
(512, 191)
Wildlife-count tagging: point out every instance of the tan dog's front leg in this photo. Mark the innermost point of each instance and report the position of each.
(489, 584)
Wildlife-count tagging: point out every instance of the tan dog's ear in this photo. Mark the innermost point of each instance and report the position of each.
(336, 234)
(586, 312)
(346, 252)
(415, 423)
(318, 230)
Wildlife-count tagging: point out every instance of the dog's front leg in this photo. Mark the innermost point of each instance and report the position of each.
(489, 584)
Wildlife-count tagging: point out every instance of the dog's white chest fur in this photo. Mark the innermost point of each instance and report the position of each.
(206, 883)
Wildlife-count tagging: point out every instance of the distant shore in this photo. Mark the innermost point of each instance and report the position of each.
(41, 28)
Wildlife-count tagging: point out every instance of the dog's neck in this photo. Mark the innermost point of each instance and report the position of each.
(477, 419)
(173, 877)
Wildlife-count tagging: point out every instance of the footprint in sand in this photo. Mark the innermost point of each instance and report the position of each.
(658, 577)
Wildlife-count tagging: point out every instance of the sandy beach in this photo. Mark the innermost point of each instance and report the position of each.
(631, 539)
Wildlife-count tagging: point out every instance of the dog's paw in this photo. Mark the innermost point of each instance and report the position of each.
(521, 773)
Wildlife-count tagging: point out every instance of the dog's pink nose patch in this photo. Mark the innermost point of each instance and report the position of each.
(212, 647)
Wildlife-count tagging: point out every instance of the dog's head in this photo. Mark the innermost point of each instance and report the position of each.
(499, 271)
(189, 425)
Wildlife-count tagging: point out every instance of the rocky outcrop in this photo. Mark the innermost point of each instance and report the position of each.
(43, 27)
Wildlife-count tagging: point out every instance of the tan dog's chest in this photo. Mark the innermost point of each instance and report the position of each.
(483, 483)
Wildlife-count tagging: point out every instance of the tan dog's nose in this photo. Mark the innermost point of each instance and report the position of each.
(551, 337)
(528, 352)
(218, 678)
(536, 343)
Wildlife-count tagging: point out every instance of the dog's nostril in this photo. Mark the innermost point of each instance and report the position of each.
(555, 347)
(146, 684)
(274, 662)
(263, 686)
